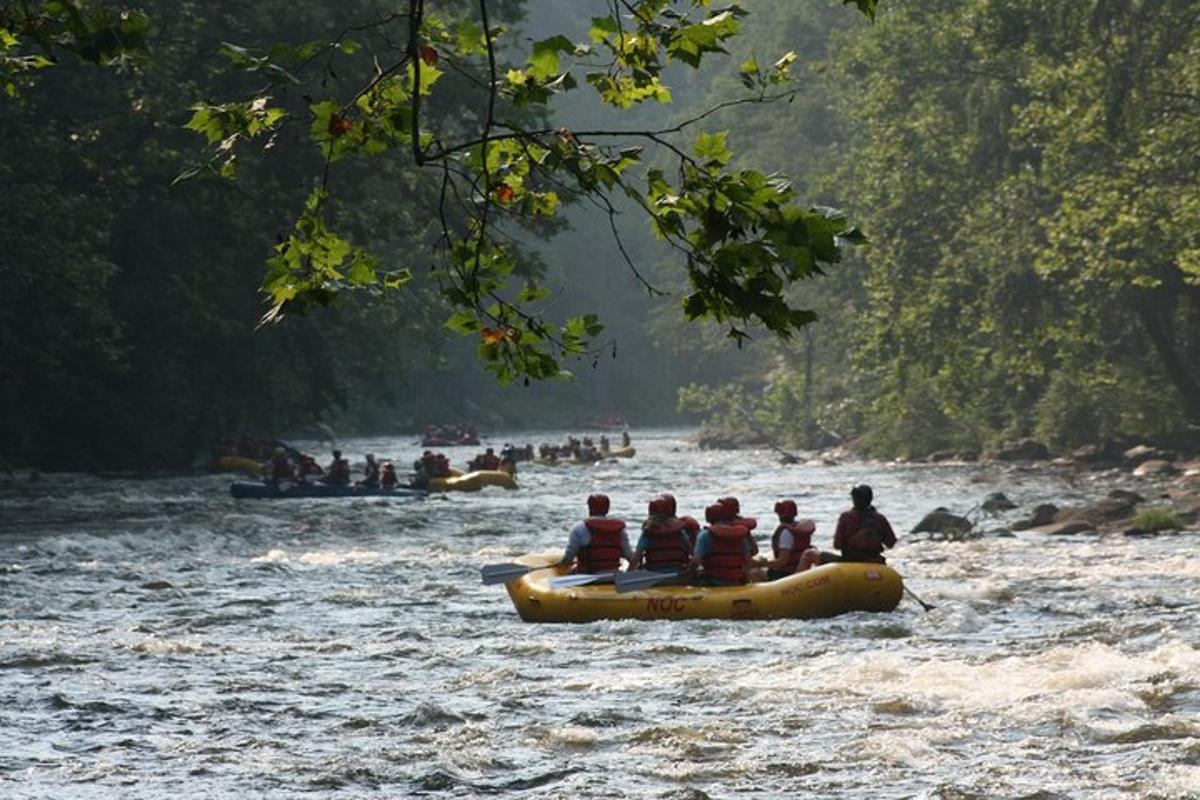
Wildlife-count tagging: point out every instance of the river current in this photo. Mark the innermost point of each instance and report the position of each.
(160, 639)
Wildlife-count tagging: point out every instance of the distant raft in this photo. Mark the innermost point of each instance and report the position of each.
(297, 491)
(622, 452)
(473, 481)
(824, 591)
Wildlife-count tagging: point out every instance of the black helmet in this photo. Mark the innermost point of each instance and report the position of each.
(862, 496)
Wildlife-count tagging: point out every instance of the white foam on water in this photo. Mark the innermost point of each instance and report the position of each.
(1067, 680)
(319, 558)
(157, 646)
(564, 737)
(898, 748)
(1173, 782)
(328, 558)
(273, 556)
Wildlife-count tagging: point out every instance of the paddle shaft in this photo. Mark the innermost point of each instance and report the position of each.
(924, 605)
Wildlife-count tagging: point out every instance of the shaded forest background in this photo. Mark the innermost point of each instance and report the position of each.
(1025, 171)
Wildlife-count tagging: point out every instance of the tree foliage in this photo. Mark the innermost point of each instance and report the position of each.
(376, 91)
(1026, 171)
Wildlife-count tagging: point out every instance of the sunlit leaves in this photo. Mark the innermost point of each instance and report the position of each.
(313, 264)
(711, 150)
(742, 238)
(225, 125)
(544, 56)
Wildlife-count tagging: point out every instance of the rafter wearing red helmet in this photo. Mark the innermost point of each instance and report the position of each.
(664, 545)
(598, 542)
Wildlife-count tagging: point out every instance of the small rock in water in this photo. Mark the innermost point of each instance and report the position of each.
(1043, 514)
(158, 585)
(1155, 466)
(1126, 496)
(1065, 528)
(997, 501)
(1023, 450)
(1135, 456)
(941, 520)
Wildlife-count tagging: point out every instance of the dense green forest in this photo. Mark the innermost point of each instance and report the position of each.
(1024, 172)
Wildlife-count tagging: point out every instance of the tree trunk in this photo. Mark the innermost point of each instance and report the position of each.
(1157, 328)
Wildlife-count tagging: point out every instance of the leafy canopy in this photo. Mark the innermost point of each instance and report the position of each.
(378, 90)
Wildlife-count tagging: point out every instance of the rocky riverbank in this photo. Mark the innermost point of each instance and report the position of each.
(1153, 496)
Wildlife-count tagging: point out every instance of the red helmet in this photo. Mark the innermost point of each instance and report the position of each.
(597, 504)
(732, 504)
(658, 507)
(717, 512)
(669, 506)
(786, 509)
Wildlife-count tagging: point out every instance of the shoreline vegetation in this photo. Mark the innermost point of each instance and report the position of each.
(1159, 487)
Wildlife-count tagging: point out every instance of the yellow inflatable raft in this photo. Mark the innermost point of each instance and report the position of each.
(622, 452)
(473, 481)
(823, 591)
(238, 464)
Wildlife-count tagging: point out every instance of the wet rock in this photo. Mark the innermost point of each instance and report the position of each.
(1142, 453)
(1043, 514)
(1022, 450)
(1126, 495)
(729, 440)
(952, 455)
(1094, 455)
(1108, 510)
(1066, 528)
(158, 585)
(996, 502)
(940, 520)
(1155, 466)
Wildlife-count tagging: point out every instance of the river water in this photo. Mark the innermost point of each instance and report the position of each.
(159, 639)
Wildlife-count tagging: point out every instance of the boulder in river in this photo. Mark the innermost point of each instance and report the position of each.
(952, 455)
(1110, 509)
(941, 520)
(1144, 452)
(1023, 450)
(1043, 514)
(1094, 455)
(996, 502)
(1155, 466)
(1065, 528)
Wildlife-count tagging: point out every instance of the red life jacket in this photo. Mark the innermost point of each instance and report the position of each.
(801, 541)
(603, 553)
(727, 560)
(281, 468)
(665, 548)
(749, 523)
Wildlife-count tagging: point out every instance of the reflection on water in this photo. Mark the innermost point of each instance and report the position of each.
(159, 638)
